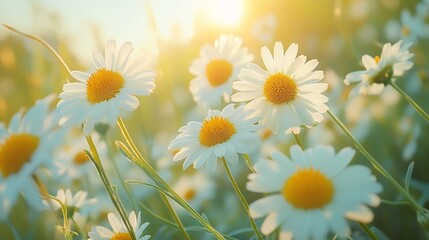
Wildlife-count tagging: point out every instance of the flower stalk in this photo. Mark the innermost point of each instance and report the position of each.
(111, 189)
(138, 158)
(410, 100)
(241, 197)
(375, 164)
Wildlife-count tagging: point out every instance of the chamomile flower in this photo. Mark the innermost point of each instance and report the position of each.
(195, 189)
(72, 202)
(317, 185)
(119, 230)
(288, 94)
(72, 163)
(379, 71)
(410, 29)
(101, 95)
(25, 146)
(221, 134)
(216, 69)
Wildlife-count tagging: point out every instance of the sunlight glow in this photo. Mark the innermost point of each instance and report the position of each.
(225, 12)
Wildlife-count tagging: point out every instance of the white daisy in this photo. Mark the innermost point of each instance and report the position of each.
(410, 29)
(288, 94)
(216, 69)
(100, 95)
(221, 134)
(379, 71)
(119, 230)
(25, 146)
(72, 163)
(313, 194)
(73, 203)
(195, 189)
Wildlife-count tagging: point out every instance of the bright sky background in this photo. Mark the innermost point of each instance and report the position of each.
(122, 20)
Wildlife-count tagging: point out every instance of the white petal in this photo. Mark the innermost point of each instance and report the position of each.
(110, 52)
(361, 214)
(278, 56)
(268, 60)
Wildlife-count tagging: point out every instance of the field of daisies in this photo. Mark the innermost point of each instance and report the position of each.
(307, 120)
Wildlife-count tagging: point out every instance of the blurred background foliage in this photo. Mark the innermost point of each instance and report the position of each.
(336, 32)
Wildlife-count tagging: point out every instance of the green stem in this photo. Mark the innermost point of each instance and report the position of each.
(111, 190)
(40, 41)
(375, 164)
(410, 101)
(298, 141)
(43, 190)
(248, 161)
(126, 187)
(176, 218)
(145, 166)
(241, 197)
(155, 215)
(368, 231)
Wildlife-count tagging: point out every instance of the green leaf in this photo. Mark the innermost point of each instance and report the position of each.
(408, 176)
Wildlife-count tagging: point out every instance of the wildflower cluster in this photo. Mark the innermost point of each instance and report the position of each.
(257, 116)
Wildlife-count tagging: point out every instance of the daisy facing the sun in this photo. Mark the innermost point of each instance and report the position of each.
(222, 134)
(217, 69)
(119, 231)
(288, 94)
(316, 184)
(99, 96)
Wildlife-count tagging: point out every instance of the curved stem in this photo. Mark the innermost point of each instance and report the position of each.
(298, 141)
(368, 231)
(241, 197)
(176, 218)
(410, 101)
(143, 164)
(375, 164)
(111, 190)
(40, 41)
(43, 190)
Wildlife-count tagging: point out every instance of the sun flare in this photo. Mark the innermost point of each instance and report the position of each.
(225, 12)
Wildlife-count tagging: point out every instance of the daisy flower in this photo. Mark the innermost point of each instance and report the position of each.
(221, 134)
(288, 94)
(99, 96)
(73, 203)
(25, 146)
(119, 230)
(195, 189)
(409, 29)
(72, 163)
(379, 71)
(317, 185)
(216, 69)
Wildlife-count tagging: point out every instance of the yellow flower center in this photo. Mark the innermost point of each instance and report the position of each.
(80, 158)
(103, 85)
(216, 130)
(266, 134)
(218, 72)
(308, 189)
(406, 31)
(16, 151)
(189, 194)
(121, 236)
(377, 59)
(280, 89)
